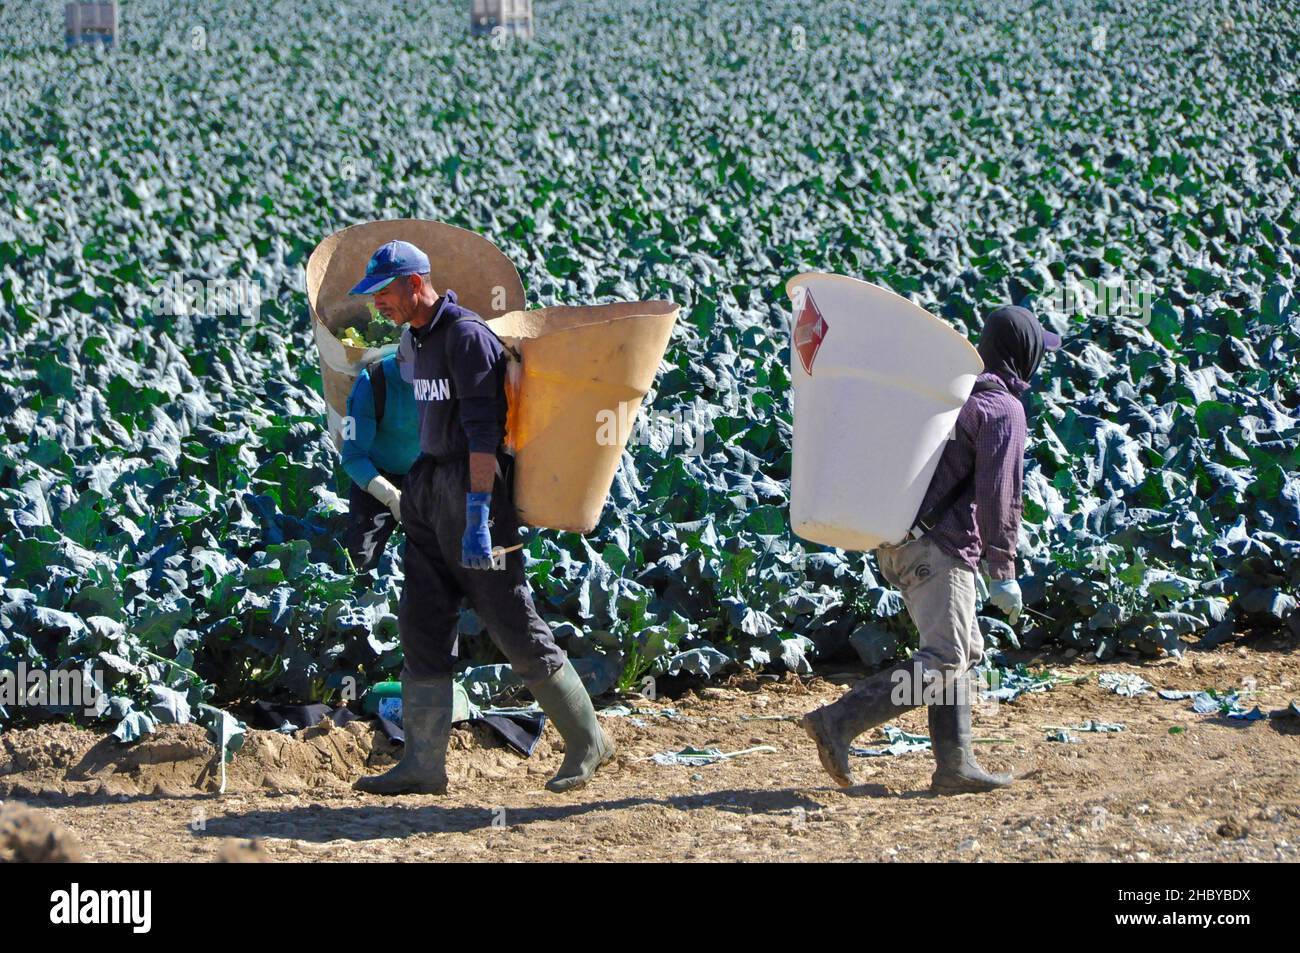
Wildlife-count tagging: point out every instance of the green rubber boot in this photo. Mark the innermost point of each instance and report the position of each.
(870, 702)
(586, 746)
(426, 722)
(957, 771)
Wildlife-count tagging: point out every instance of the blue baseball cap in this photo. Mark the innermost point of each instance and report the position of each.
(391, 261)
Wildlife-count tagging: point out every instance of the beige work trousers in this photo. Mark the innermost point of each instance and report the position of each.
(939, 591)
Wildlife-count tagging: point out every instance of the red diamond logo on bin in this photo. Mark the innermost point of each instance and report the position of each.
(809, 331)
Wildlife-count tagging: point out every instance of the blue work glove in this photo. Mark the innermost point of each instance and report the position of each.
(1005, 594)
(476, 544)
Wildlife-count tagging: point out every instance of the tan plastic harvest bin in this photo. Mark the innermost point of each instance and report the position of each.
(483, 278)
(581, 367)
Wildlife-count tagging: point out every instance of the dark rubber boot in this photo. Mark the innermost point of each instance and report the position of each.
(957, 771)
(586, 746)
(870, 702)
(426, 722)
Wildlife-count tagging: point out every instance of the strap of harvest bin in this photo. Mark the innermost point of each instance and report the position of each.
(378, 388)
(514, 355)
(930, 518)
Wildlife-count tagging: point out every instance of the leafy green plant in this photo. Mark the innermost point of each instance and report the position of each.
(167, 488)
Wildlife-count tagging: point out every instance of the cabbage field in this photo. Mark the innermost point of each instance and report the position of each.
(170, 502)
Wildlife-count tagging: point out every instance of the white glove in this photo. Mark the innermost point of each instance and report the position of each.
(1005, 594)
(384, 491)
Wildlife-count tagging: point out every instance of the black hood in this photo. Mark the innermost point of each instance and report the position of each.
(1011, 343)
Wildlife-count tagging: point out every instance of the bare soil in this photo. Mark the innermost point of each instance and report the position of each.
(1218, 790)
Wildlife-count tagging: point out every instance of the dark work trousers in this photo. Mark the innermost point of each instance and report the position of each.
(433, 518)
(370, 523)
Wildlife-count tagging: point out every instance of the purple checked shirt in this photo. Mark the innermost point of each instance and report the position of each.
(985, 520)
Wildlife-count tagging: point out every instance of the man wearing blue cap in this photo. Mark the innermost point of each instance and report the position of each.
(456, 507)
(970, 514)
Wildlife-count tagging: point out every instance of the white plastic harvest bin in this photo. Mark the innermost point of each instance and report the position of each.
(873, 408)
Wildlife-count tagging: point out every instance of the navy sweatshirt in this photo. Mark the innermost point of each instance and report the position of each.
(457, 367)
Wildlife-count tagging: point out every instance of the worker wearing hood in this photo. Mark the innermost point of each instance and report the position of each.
(970, 515)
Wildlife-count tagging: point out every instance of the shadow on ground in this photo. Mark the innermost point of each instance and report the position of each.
(320, 822)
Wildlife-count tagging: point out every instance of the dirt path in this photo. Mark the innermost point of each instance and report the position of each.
(1219, 790)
